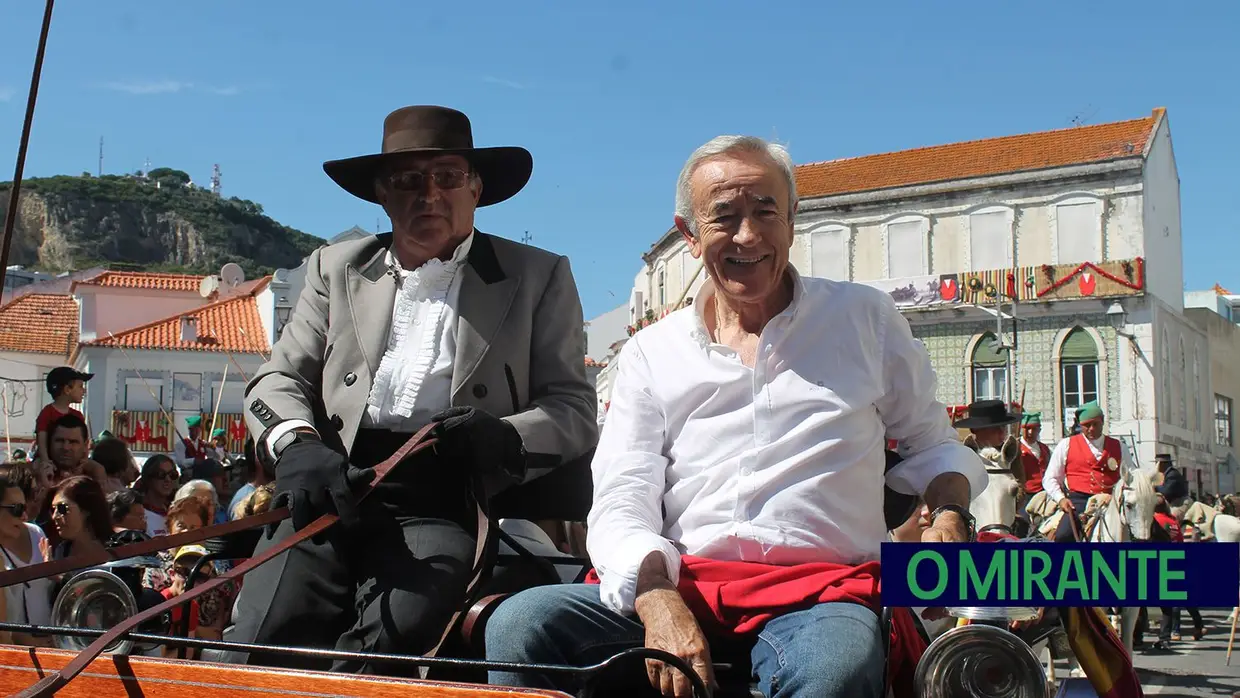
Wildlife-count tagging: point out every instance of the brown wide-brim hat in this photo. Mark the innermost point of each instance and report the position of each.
(422, 131)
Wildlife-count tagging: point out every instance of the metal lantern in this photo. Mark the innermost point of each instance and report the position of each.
(101, 597)
(979, 661)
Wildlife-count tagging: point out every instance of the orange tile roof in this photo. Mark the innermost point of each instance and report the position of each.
(990, 156)
(152, 281)
(232, 324)
(39, 323)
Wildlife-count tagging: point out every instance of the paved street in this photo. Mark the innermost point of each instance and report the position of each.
(1192, 668)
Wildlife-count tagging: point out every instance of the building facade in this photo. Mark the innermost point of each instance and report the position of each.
(1224, 389)
(1043, 268)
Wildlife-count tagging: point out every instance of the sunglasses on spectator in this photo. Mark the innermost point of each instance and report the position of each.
(15, 509)
(166, 475)
(183, 572)
(61, 508)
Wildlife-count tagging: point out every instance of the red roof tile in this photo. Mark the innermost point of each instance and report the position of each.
(232, 324)
(39, 323)
(991, 156)
(146, 280)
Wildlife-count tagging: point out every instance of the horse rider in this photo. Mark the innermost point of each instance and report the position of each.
(1174, 487)
(432, 322)
(1034, 457)
(745, 443)
(989, 423)
(1088, 463)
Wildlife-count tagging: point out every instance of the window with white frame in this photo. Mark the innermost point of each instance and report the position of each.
(1078, 373)
(906, 249)
(1197, 425)
(1222, 419)
(1183, 386)
(661, 292)
(990, 240)
(688, 265)
(828, 253)
(138, 398)
(1164, 379)
(989, 368)
(1078, 235)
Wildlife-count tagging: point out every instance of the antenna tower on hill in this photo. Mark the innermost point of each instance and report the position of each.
(100, 156)
(526, 238)
(215, 180)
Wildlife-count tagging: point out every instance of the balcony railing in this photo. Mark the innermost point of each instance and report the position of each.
(149, 431)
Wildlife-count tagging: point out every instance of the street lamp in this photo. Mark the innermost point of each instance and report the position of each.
(1118, 317)
(284, 312)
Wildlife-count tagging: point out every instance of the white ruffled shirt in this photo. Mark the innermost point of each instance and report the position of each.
(414, 378)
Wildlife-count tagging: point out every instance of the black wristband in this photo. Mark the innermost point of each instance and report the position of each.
(964, 514)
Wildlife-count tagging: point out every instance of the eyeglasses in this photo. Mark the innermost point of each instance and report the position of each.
(15, 509)
(166, 475)
(447, 178)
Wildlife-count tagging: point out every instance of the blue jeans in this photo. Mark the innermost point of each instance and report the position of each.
(829, 650)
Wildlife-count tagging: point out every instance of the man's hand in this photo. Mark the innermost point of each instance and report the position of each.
(948, 527)
(1065, 505)
(671, 627)
(480, 441)
(312, 479)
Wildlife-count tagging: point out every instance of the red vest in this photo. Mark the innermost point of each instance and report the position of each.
(195, 449)
(1035, 466)
(1173, 527)
(1085, 474)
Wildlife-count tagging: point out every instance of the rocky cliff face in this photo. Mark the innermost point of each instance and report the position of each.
(66, 223)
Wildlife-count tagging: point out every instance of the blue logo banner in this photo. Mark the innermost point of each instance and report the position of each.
(1205, 575)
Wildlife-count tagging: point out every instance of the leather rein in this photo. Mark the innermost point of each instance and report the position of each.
(57, 680)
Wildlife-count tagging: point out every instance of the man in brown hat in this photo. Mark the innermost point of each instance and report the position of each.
(433, 322)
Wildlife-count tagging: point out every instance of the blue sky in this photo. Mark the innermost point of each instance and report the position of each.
(611, 101)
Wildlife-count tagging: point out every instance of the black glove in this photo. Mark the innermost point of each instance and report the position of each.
(313, 479)
(490, 447)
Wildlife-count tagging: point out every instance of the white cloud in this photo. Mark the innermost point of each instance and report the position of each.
(153, 87)
(501, 81)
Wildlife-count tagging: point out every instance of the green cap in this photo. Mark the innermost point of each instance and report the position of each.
(217, 433)
(194, 420)
(1089, 411)
(1031, 418)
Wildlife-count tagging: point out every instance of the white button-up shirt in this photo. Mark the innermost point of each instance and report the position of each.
(781, 463)
(1056, 474)
(414, 378)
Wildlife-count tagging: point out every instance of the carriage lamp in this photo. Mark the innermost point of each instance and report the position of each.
(1118, 317)
(284, 312)
(993, 614)
(979, 661)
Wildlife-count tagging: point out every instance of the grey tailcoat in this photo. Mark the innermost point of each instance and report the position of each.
(520, 346)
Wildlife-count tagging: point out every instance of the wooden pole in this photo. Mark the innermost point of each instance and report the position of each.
(8, 439)
(247, 338)
(10, 217)
(1231, 640)
(218, 399)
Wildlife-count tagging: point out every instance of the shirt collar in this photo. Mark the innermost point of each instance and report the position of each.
(706, 294)
(458, 257)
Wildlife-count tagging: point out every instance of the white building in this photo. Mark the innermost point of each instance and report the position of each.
(38, 332)
(158, 347)
(1076, 232)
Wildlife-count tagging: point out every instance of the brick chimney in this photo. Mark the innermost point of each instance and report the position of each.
(189, 328)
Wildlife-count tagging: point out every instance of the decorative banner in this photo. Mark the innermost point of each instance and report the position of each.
(984, 287)
(1089, 280)
(142, 430)
(1060, 574)
(915, 291)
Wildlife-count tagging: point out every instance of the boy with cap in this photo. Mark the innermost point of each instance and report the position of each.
(67, 386)
(1034, 457)
(1088, 463)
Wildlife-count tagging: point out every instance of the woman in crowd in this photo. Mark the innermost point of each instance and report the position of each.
(80, 513)
(157, 483)
(128, 514)
(113, 454)
(23, 544)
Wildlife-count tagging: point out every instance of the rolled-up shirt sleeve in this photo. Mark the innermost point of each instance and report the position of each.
(915, 418)
(625, 523)
(1056, 472)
